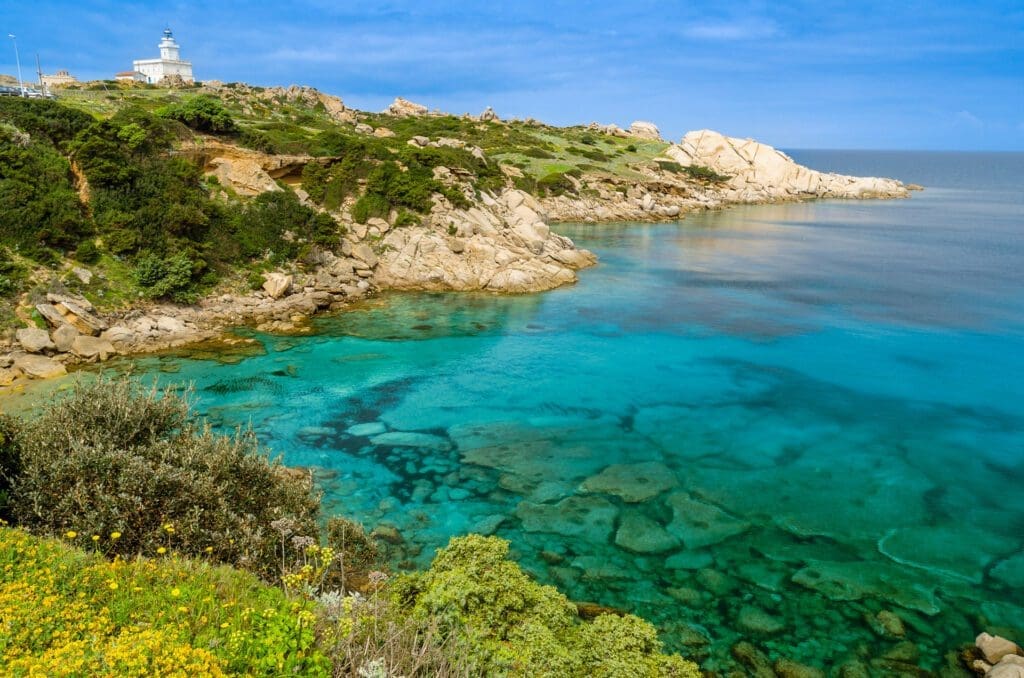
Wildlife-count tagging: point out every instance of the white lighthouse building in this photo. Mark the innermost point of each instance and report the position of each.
(168, 65)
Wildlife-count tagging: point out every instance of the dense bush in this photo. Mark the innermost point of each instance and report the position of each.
(166, 277)
(203, 113)
(705, 173)
(274, 225)
(555, 183)
(39, 207)
(10, 462)
(111, 458)
(511, 625)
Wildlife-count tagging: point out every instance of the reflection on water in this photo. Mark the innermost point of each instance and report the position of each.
(795, 425)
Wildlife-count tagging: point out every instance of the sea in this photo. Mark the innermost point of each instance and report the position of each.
(796, 426)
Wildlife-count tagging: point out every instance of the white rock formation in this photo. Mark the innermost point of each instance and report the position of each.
(504, 245)
(276, 285)
(403, 107)
(645, 130)
(758, 173)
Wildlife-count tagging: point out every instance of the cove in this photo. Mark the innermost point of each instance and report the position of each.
(797, 425)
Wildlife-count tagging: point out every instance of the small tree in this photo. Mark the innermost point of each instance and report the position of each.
(202, 113)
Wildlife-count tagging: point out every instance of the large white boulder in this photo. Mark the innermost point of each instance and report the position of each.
(276, 284)
(645, 130)
(35, 340)
(757, 172)
(403, 107)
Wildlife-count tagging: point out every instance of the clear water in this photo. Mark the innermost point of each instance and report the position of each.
(767, 423)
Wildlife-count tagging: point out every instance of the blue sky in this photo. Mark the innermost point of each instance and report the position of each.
(818, 74)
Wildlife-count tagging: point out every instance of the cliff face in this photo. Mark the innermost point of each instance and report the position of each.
(501, 245)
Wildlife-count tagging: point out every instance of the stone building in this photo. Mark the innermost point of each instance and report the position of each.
(58, 79)
(169, 65)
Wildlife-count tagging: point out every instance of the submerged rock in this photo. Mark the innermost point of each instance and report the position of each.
(949, 550)
(632, 482)
(1010, 571)
(787, 668)
(689, 560)
(591, 517)
(366, 430)
(753, 660)
(640, 534)
(412, 439)
(868, 579)
(753, 619)
(699, 524)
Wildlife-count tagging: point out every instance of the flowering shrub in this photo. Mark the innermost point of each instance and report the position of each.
(67, 611)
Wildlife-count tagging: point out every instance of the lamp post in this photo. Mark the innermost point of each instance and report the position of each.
(17, 59)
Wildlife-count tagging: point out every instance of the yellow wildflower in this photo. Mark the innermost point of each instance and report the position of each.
(95, 537)
(224, 625)
(113, 585)
(209, 549)
(182, 609)
(115, 535)
(70, 534)
(161, 550)
(175, 592)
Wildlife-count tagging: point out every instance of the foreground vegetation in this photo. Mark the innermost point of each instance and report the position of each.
(146, 544)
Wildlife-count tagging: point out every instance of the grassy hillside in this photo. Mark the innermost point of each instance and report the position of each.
(112, 179)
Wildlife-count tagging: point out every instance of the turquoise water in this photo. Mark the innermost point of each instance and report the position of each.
(767, 423)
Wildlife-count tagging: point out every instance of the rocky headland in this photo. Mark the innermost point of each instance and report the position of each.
(498, 239)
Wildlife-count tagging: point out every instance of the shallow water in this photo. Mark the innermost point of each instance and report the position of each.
(768, 423)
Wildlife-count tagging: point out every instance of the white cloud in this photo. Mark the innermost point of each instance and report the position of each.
(968, 118)
(741, 29)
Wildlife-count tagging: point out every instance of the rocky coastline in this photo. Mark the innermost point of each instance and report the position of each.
(502, 243)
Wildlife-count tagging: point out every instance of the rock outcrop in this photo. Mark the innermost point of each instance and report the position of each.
(645, 130)
(502, 245)
(759, 173)
(246, 171)
(1000, 658)
(403, 108)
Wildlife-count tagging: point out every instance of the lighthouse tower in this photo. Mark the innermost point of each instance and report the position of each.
(169, 49)
(169, 66)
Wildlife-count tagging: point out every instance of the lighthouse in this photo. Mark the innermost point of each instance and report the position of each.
(169, 66)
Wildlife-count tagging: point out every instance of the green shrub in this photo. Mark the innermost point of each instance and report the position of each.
(258, 140)
(87, 252)
(525, 183)
(273, 225)
(110, 457)
(370, 205)
(555, 184)
(534, 152)
(166, 277)
(705, 173)
(203, 113)
(512, 625)
(670, 166)
(10, 462)
(406, 218)
(631, 148)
